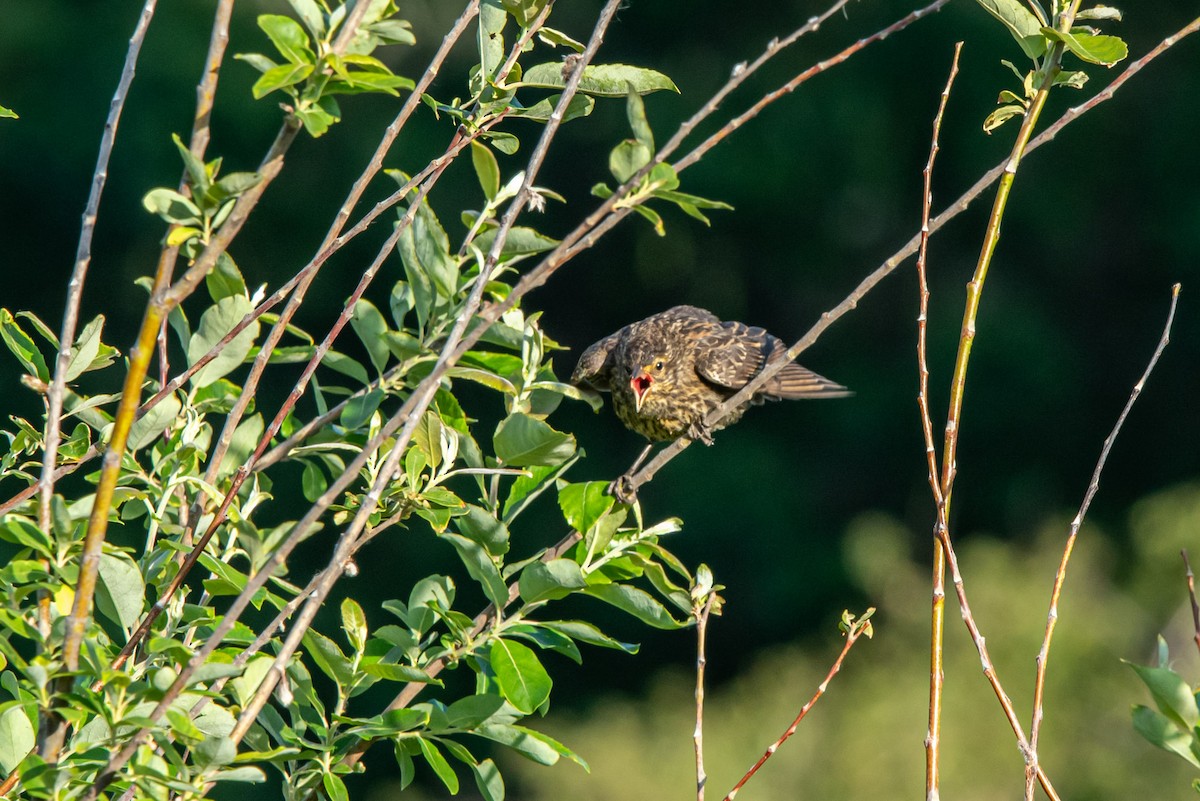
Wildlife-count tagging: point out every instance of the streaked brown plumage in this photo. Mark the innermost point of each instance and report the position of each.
(668, 372)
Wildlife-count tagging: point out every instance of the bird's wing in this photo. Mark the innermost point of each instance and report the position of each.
(730, 354)
(594, 367)
(734, 353)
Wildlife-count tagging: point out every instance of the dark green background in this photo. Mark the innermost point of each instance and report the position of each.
(825, 183)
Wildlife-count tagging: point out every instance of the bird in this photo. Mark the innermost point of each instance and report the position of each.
(668, 372)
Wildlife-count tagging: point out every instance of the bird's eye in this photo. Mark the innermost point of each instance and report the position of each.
(658, 365)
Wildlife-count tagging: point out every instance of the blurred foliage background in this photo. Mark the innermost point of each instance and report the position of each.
(801, 510)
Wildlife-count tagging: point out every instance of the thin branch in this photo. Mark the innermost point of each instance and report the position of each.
(737, 122)
(1043, 657)
(52, 727)
(856, 630)
(1191, 584)
(702, 612)
(937, 675)
(83, 258)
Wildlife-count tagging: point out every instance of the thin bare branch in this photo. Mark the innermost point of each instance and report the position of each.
(937, 675)
(1043, 657)
(856, 630)
(701, 613)
(1191, 584)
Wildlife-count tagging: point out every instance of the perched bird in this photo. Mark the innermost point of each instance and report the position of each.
(668, 372)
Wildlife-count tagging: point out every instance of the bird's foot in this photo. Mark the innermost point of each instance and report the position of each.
(623, 489)
(699, 431)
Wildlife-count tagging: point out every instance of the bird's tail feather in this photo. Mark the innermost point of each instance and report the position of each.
(794, 382)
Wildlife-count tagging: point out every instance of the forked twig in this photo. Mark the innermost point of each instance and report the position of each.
(937, 675)
(1043, 657)
(855, 630)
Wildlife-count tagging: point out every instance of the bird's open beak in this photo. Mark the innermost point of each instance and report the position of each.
(641, 385)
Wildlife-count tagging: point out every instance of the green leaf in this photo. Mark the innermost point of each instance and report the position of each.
(335, 787)
(247, 774)
(225, 279)
(487, 170)
(481, 526)
(197, 174)
(367, 321)
(234, 185)
(215, 751)
(492, 18)
(627, 158)
(392, 31)
(587, 633)
(635, 111)
(121, 593)
(391, 671)
(1021, 23)
(636, 602)
(86, 348)
(1162, 732)
(602, 80)
(488, 780)
(17, 737)
(22, 347)
(346, 366)
(584, 504)
(1171, 694)
(439, 764)
(359, 408)
(480, 567)
(521, 241)
(519, 675)
(521, 440)
(1001, 116)
(556, 38)
(172, 207)
(1093, 48)
(153, 423)
(354, 623)
(580, 106)
(310, 14)
(288, 37)
(217, 321)
(242, 444)
(472, 711)
(1099, 12)
(329, 658)
(533, 745)
(551, 580)
(280, 77)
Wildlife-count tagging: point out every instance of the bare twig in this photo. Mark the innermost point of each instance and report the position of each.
(701, 613)
(857, 629)
(1191, 584)
(1043, 657)
(937, 675)
(52, 729)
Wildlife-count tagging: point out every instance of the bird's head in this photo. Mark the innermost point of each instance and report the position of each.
(645, 375)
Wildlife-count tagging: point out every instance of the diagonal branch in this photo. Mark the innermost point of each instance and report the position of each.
(937, 674)
(1043, 657)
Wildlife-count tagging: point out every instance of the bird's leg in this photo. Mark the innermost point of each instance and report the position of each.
(698, 430)
(622, 487)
